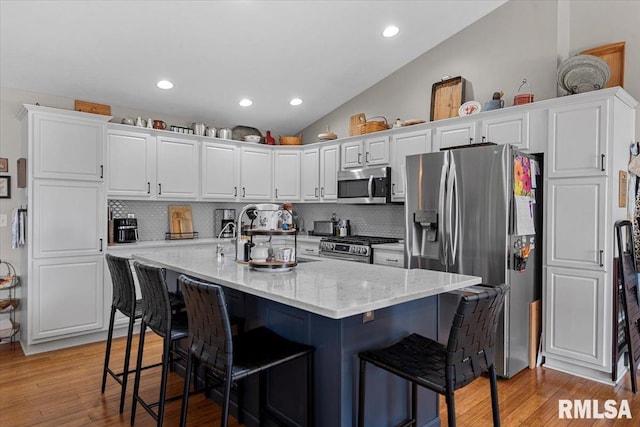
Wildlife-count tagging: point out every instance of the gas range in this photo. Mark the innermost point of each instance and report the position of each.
(352, 248)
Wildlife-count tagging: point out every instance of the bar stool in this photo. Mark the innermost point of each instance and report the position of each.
(444, 369)
(160, 316)
(124, 301)
(231, 359)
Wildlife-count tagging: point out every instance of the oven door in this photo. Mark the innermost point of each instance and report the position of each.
(364, 186)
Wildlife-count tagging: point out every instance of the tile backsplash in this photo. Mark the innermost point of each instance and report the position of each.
(369, 220)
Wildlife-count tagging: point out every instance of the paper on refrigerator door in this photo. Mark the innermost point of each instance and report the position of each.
(524, 215)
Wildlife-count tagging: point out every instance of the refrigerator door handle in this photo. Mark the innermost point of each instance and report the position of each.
(441, 216)
(453, 215)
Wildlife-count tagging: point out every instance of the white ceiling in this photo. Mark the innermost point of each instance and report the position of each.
(217, 52)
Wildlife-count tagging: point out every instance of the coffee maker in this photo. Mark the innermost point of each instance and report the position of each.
(125, 230)
(222, 217)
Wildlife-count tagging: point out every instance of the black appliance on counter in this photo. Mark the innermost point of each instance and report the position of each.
(352, 248)
(125, 230)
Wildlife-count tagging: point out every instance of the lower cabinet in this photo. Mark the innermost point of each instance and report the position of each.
(393, 258)
(576, 304)
(66, 297)
(308, 248)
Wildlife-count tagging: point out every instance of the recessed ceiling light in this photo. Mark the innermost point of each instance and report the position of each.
(245, 102)
(164, 84)
(390, 31)
(295, 101)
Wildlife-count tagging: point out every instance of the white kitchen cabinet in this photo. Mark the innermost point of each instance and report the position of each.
(308, 248)
(456, 134)
(220, 170)
(286, 174)
(177, 168)
(130, 164)
(388, 256)
(510, 129)
(66, 297)
(255, 173)
(67, 147)
(577, 307)
(62, 258)
(576, 223)
(578, 139)
(310, 174)
(69, 218)
(403, 145)
(368, 152)
(329, 165)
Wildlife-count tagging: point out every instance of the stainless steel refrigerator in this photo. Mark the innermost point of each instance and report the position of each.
(477, 211)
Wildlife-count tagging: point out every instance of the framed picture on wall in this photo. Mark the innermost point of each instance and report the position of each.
(5, 187)
(4, 165)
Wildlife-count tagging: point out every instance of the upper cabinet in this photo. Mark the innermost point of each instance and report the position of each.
(255, 173)
(310, 174)
(286, 174)
(220, 170)
(500, 129)
(329, 165)
(403, 145)
(578, 139)
(455, 135)
(141, 165)
(371, 151)
(67, 147)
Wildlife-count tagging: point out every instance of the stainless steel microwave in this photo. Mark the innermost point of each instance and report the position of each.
(367, 185)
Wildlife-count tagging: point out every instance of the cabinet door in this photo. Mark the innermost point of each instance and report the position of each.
(329, 165)
(220, 166)
(67, 148)
(391, 258)
(576, 215)
(576, 318)
(376, 151)
(310, 174)
(286, 174)
(255, 173)
(68, 218)
(578, 139)
(66, 297)
(352, 155)
(454, 135)
(177, 168)
(130, 170)
(308, 248)
(405, 145)
(512, 129)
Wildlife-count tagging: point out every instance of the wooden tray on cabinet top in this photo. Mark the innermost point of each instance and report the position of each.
(613, 55)
(446, 98)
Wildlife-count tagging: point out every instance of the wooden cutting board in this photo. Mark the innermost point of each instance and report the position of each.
(180, 222)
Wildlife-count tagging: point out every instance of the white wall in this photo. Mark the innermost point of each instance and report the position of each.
(520, 39)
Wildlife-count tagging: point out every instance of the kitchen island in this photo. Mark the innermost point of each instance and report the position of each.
(340, 308)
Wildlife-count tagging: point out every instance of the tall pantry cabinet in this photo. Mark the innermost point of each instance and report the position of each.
(65, 198)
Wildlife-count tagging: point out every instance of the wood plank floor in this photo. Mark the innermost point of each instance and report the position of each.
(62, 388)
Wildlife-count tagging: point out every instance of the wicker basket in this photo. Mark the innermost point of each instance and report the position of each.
(7, 305)
(291, 140)
(9, 279)
(368, 126)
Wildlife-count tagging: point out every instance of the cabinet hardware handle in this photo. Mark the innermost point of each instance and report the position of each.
(100, 245)
(243, 191)
(601, 258)
(321, 191)
(470, 140)
(148, 188)
(366, 157)
(602, 162)
(391, 260)
(101, 171)
(393, 188)
(315, 192)
(235, 191)
(359, 156)
(159, 188)
(276, 193)
(483, 138)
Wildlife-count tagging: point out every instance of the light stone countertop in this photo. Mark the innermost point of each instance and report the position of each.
(331, 288)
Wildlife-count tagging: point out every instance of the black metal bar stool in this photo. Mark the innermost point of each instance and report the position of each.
(444, 369)
(124, 301)
(159, 315)
(230, 359)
